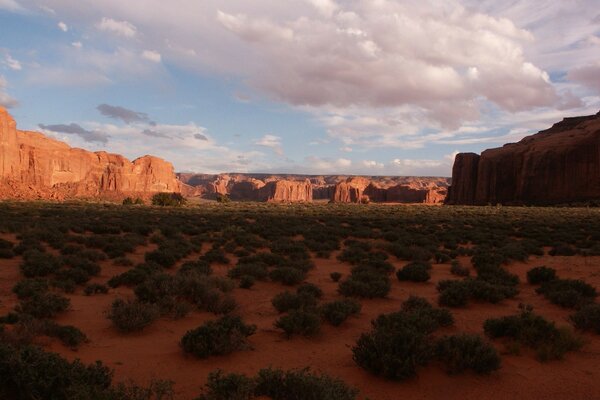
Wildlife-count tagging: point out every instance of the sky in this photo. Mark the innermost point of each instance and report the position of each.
(372, 87)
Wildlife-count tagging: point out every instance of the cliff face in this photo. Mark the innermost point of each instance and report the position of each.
(286, 191)
(35, 166)
(558, 165)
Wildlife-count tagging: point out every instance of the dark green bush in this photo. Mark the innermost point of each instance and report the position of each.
(43, 305)
(38, 264)
(459, 270)
(309, 289)
(338, 311)
(562, 250)
(300, 322)
(454, 295)
(95, 288)
(168, 200)
(257, 270)
(414, 272)
(286, 301)
(538, 275)
(247, 281)
(335, 276)
(228, 387)
(532, 330)
(30, 287)
(287, 275)
(132, 315)
(301, 385)
(466, 351)
(569, 293)
(223, 336)
(587, 318)
(365, 283)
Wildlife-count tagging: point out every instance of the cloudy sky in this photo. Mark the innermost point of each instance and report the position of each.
(308, 86)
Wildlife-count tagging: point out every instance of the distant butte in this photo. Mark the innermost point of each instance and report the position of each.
(556, 166)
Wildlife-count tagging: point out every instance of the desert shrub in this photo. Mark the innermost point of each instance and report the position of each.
(415, 272)
(128, 201)
(215, 255)
(532, 330)
(6, 249)
(223, 336)
(168, 200)
(257, 270)
(38, 264)
(199, 267)
(301, 385)
(228, 387)
(67, 334)
(132, 315)
(365, 283)
(134, 276)
(466, 351)
(454, 295)
(30, 287)
(123, 262)
(587, 318)
(338, 311)
(300, 322)
(286, 301)
(287, 275)
(457, 293)
(569, 293)
(459, 270)
(309, 289)
(400, 342)
(538, 275)
(162, 257)
(247, 281)
(43, 305)
(335, 276)
(95, 288)
(562, 250)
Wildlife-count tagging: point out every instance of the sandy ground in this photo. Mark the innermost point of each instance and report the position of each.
(154, 353)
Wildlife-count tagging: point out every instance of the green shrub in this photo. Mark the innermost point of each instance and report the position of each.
(459, 270)
(587, 318)
(569, 293)
(538, 275)
(301, 385)
(43, 305)
(95, 288)
(338, 311)
(300, 322)
(414, 272)
(257, 270)
(67, 334)
(223, 336)
(200, 267)
(287, 275)
(38, 264)
(400, 342)
(562, 250)
(309, 289)
(466, 351)
(532, 330)
(30, 287)
(132, 315)
(454, 295)
(286, 301)
(365, 283)
(168, 200)
(247, 281)
(335, 276)
(228, 387)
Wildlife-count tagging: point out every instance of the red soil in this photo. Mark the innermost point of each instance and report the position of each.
(154, 353)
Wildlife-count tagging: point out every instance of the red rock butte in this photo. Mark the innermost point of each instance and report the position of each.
(556, 166)
(33, 166)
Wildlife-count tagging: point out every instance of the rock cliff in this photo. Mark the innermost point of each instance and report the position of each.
(558, 165)
(35, 166)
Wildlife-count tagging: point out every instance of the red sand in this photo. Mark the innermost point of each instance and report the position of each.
(154, 353)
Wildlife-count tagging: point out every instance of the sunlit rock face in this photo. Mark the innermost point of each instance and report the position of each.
(557, 165)
(35, 166)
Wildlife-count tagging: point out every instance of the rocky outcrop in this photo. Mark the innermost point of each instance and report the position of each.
(558, 165)
(35, 166)
(286, 191)
(350, 191)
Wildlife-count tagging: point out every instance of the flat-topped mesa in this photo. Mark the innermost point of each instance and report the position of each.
(286, 191)
(557, 166)
(35, 166)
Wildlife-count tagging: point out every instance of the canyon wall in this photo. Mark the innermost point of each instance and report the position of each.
(555, 166)
(35, 166)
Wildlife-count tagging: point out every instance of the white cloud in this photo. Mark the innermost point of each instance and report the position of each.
(5, 99)
(151, 55)
(11, 63)
(588, 76)
(63, 27)
(271, 141)
(372, 164)
(121, 28)
(77, 45)
(10, 5)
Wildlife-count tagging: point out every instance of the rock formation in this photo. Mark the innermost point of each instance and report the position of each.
(35, 166)
(558, 165)
(286, 191)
